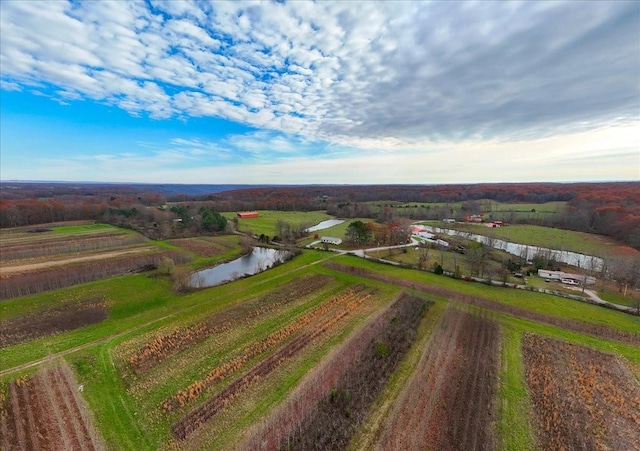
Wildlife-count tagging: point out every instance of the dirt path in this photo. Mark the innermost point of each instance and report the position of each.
(65, 352)
(59, 354)
(11, 269)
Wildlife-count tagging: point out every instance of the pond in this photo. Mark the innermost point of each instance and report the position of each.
(528, 252)
(325, 225)
(260, 259)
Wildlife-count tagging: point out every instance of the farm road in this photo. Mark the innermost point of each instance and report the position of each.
(6, 270)
(64, 352)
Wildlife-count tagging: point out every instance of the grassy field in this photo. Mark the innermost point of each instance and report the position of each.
(266, 222)
(279, 326)
(74, 229)
(584, 243)
(448, 260)
(337, 231)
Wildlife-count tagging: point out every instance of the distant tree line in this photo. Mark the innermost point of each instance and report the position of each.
(611, 209)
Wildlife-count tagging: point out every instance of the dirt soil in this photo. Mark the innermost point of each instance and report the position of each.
(47, 411)
(448, 404)
(9, 269)
(582, 398)
(66, 317)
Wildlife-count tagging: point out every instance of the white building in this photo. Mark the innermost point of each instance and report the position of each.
(330, 240)
(566, 277)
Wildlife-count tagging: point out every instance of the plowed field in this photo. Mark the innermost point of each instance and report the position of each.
(582, 398)
(66, 317)
(448, 404)
(47, 412)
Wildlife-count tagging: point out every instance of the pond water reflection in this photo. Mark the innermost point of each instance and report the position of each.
(528, 252)
(325, 225)
(260, 259)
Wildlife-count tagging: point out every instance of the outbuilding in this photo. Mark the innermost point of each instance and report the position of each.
(248, 214)
(330, 240)
(566, 277)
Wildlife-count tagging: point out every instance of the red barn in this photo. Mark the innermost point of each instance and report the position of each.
(248, 214)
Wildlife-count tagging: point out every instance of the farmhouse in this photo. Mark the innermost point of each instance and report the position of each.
(248, 214)
(330, 240)
(566, 277)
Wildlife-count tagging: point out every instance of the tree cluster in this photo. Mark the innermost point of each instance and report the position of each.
(611, 209)
(362, 234)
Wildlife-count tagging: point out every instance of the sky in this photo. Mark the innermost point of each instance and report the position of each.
(295, 92)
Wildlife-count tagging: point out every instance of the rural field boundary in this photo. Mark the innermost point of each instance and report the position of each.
(595, 330)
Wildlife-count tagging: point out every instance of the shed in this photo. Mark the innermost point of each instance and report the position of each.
(330, 240)
(248, 214)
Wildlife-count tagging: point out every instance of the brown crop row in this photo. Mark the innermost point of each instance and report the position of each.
(166, 344)
(596, 330)
(68, 245)
(327, 406)
(68, 316)
(47, 412)
(448, 403)
(200, 415)
(582, 398)
(64, 276)
(193, 391)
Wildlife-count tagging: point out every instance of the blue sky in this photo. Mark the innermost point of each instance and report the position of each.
(319, 92)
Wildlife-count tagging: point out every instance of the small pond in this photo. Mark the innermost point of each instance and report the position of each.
(325, 225)
(260, 259)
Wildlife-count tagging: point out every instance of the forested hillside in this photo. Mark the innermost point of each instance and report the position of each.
(611, 209)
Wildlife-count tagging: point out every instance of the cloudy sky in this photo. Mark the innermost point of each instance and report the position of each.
(326, 92)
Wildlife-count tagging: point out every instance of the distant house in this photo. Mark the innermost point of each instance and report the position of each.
(449, 221)
(330, 240)
(248, 214)
(566, 277)
(493, 224)
(473, 218)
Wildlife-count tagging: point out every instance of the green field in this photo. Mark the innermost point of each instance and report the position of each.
(567, 240)
(72, 229)
(254, 318)
(266, 222)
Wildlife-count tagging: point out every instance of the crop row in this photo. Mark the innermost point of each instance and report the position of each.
(200, 415)
(327, 407)
(68, 316)
(582, 398)
(448, 404)
(64, 276)
(68, 246)
(46, 412)
(596, 330)
(168, 343)
(193, 391)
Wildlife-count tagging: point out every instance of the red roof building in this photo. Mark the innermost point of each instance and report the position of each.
(248, 214)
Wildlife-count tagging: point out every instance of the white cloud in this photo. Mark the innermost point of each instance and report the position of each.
(376, 75)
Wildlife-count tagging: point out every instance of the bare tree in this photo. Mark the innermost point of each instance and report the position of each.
(423, 259)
